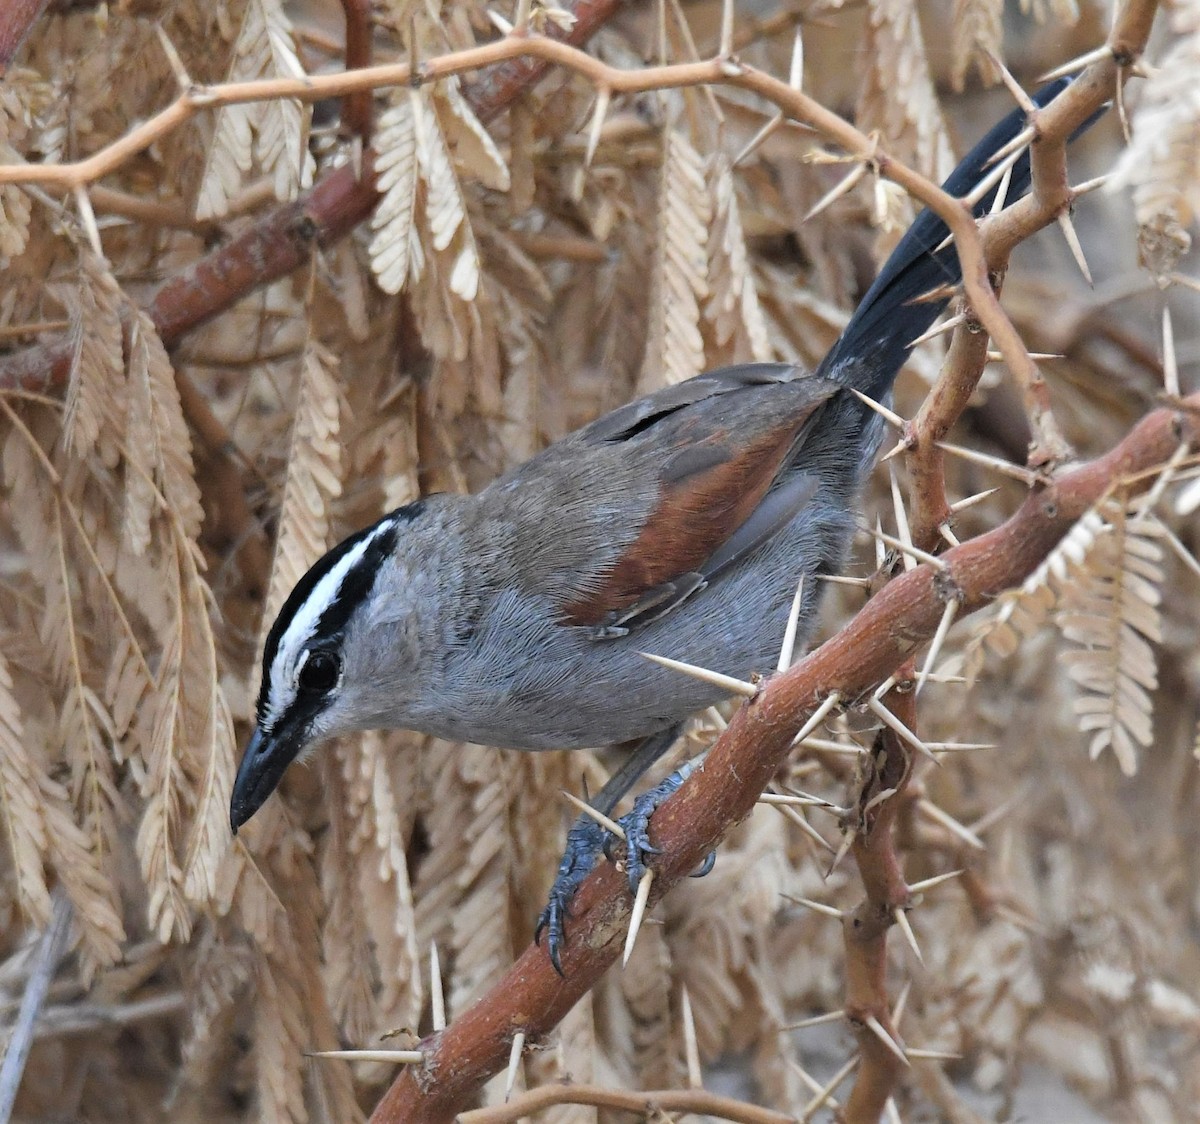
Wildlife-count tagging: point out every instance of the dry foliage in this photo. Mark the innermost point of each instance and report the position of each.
(517, 277)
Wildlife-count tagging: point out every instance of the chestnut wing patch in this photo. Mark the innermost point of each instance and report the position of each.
(715, 504)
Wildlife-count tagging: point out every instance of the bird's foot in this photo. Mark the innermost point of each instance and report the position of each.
(636, 824)
(585, 844)
(587, 841)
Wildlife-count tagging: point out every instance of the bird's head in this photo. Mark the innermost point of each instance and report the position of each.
(321, 657)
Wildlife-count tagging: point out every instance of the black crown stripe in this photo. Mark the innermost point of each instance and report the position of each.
(354, 587)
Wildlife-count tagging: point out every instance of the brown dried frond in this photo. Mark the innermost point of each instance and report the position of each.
(96, 392)
(676, 349)
(272, 134)
(1110, 610)
(396, 254)
(732, 305)
(1162, 162)
(314, 475)
(15, 205)
(24, 823)
(898, 96)
(978, 35)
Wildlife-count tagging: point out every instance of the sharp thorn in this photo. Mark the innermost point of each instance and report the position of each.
(892, 417)
(947, 325)
(788, 648)
(726, 682)
(903, 925)
(638, 914)
(877, 1028)
(939, 638)
(514, 1063)
(971, 501)
(816, 1020)
(817, 717)
(398, 1057)
(834, 194)
(595, 814)
(944, 819)
(877, 708)
(1077, 63)
(691, 1046)
(436, 995)
(1027, 476)
(1068, 229)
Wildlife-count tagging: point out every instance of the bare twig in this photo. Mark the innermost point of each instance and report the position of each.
(50, 949)
(665, 1100)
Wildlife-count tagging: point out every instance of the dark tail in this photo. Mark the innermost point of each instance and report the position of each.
(872, 349)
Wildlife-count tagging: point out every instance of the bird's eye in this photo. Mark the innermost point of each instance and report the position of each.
(320, 672)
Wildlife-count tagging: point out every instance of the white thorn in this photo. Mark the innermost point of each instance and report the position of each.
(891, 415)
(819, 907)
(835, 193)
(638, 913)
(803, 824)
(841, 579)
(1002, 191)
(980, 190)
(878, 1030)
(816, 1020)
(824, 1095)
(947, 325)
(514, 1063)
(1068, 229)
(817, 717)
(843, 849)
(903, 925)
(885, 716)
(88, 218)
(908, 549)
(971, 501)
(1170, 364)
(950, 537)
(796, 70)
(763, 133)
(691, 1046)
(902, 527)
(901, 1003)
(934, 1055)
(598, 115)
(939, 638)
(950, 824)
(725, 682)
(1027, 476)
(1077, 63)
(595, 814)
(399, 1057)
(725, 49)
(788, 647)
(936, 880)
(436, 994)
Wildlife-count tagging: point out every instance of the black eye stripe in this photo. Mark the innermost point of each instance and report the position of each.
(353, 588)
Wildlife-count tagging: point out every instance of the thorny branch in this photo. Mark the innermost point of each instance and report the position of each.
(531, 997)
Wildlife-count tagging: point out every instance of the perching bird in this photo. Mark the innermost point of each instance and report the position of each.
(679, 524)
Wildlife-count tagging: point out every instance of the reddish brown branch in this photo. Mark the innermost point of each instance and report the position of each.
(864, 932)
(531, 997)
(17, 18)
(356, 106)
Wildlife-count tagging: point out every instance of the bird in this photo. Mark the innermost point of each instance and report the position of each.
(679, 524)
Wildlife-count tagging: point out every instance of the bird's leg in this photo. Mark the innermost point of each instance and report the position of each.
(636, 822)
(586, 839)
